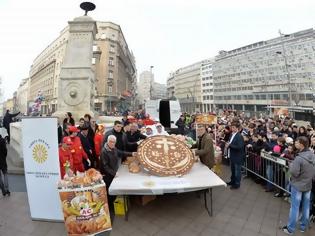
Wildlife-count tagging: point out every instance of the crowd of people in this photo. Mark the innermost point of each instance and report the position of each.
(239, 138)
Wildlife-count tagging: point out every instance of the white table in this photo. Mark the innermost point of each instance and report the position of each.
(198, 178)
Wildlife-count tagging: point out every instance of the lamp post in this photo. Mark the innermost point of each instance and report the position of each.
(283, 53)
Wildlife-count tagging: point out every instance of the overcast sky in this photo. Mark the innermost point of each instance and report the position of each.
(166, 34)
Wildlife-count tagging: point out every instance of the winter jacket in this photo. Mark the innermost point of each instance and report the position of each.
(3, 155)
(302, 170)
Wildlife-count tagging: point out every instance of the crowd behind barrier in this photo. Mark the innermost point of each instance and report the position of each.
(269, 168)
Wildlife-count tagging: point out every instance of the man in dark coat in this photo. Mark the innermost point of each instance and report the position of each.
(236, 153)
(7, 120)
(180, 123)
(133, 137)
(4, 185)
(118, 133)
(109, 163)
(204, 146)
(87, 147)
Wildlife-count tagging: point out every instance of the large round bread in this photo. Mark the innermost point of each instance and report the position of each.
(165, 156)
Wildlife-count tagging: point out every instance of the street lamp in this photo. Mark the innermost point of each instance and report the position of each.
(283, 53)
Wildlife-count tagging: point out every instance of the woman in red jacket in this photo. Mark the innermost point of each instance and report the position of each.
(65, 156)
(98, 140)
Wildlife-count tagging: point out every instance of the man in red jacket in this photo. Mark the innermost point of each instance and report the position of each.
(65, 156)
(78, 154)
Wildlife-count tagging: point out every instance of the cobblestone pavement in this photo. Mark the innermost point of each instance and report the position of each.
(248, 211)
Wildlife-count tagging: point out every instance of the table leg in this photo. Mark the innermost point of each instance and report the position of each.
(210, 212)
(206, 202)
(126, 207)
(211, 208)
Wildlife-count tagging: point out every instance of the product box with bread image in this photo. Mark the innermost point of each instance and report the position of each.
(85, 208)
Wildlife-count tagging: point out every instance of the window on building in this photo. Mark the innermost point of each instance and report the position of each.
(110, 89)
(276, 96)
(110, 74)
(93, 61)
(103, 36)
(112, 48)
(111, 61)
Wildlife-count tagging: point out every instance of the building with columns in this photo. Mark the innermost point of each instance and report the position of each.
(259, 77)
(113, 65)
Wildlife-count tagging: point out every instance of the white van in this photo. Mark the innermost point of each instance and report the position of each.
(167, 112)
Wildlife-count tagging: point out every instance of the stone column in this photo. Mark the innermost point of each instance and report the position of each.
(76, 87)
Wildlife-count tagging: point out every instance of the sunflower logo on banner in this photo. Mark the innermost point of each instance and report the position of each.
(40, 153)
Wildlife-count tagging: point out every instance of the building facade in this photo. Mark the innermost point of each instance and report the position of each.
(116, 71)
(45, 73)
(113, 64)
(206, 75)
(146, 79)
(159, 91)
(170, 86)
(262, 76)
(187, 87)
(22, 97)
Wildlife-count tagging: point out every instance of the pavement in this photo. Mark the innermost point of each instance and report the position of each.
(248, 211)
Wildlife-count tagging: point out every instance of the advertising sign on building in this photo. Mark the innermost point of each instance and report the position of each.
(41, 165)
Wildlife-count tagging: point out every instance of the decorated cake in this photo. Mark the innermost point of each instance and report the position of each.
(165, 156)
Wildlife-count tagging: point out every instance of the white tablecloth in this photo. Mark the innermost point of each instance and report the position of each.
(198, 178)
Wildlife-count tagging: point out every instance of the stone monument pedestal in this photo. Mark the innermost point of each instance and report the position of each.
(76, 88)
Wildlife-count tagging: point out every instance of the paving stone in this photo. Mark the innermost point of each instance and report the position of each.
(248, 211)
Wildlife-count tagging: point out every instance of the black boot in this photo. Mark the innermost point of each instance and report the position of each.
(8, 193)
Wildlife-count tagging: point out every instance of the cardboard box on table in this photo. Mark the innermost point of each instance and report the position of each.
(85, 210)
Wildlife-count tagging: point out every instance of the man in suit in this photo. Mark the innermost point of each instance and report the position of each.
(204, 146)
(236, 153)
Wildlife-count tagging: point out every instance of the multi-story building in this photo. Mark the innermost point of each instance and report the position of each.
(8, 105)
(146, 80)
(23, 96)
(170, 85)
(279, 72)
(114, 67)
(45, 73)
(187, 87)
(148, 89)
(207, 85)
(159, 91)
(116, 70)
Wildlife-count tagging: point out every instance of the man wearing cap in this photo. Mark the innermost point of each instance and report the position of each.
(77, 151)
(65, 156)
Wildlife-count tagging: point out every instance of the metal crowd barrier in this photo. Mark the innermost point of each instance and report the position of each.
(271, 168)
